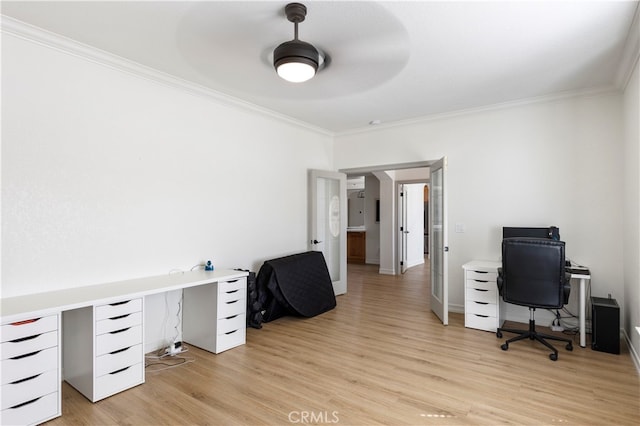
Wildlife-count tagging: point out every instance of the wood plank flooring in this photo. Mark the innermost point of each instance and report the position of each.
(380, 357)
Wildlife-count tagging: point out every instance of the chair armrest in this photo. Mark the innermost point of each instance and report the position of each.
(500, 281)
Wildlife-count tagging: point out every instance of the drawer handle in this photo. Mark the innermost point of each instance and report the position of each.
(119, 303)
(481, 281)
(232, 281)
(29, 321)
(232, 291)
(480, 289)
(120, 371)
(232, 316)
(119, 317)
(481, 316)
(26, 355)
(119, 331)
(24, 339)
(119, 350)
(233, 301)
(481, 272)
(24, 403)
(26, 379)
(482, 303)
(230, 332)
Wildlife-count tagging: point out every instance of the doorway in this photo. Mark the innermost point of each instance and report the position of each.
(385, 229)
(388, 176)
(412, 225)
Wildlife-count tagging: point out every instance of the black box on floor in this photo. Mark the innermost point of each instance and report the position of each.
(605, 322)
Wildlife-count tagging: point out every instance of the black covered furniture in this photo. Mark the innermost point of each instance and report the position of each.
(533, 275)
(297, 285)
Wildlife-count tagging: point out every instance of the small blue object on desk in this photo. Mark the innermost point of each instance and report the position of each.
(208, 266)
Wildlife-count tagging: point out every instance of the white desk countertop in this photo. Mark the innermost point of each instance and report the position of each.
(40, 304)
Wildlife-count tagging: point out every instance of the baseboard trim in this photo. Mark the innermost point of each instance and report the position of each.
(458, 309)
(385, 271)
(632, 351)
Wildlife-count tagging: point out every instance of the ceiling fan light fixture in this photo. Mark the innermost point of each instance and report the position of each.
(296, 61)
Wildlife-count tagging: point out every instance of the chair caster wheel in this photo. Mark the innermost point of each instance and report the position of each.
(569, 347)
(504, 346)
(553, 357)
(499, 334)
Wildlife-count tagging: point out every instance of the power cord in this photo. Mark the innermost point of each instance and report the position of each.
(555, 324)
(177, 361)
(168, 357)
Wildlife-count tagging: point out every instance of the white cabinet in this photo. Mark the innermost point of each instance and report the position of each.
(103, 348)
(30, 356)
(220, 325)
(482, 302)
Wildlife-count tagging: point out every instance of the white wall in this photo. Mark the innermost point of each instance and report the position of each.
(372, 193)
(387, 222)
(632, 210)
(356, 213)
(548, 163)
(109, 176)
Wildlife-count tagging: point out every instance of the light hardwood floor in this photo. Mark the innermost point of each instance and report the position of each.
(380, 357)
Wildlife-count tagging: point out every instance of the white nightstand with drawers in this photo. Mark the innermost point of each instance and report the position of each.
(482, 302)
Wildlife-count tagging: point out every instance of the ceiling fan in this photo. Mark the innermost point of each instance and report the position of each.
(297, 61)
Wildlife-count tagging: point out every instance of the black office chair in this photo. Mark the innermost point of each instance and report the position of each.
(533, 275)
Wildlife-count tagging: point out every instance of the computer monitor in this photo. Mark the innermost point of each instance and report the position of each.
(551, 232)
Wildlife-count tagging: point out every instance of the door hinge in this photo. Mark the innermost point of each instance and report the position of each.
(446, 248)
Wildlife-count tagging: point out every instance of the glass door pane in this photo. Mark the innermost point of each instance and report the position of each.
(328, 223)
(439, 249)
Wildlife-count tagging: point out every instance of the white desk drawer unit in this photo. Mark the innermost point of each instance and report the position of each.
(103, 348)
(30, 354)
(227, 315)
(482, 301)
(97, 333)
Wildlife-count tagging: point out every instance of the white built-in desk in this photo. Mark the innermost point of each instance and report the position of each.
(103, 329)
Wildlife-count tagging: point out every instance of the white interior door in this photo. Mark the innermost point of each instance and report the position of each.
(439, 241)
(328, 223)
(403, 229)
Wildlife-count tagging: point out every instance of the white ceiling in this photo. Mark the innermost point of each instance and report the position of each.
(389, 61)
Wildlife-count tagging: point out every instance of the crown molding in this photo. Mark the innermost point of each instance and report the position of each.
(485, 108)
(630, 53)
(69, 46)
